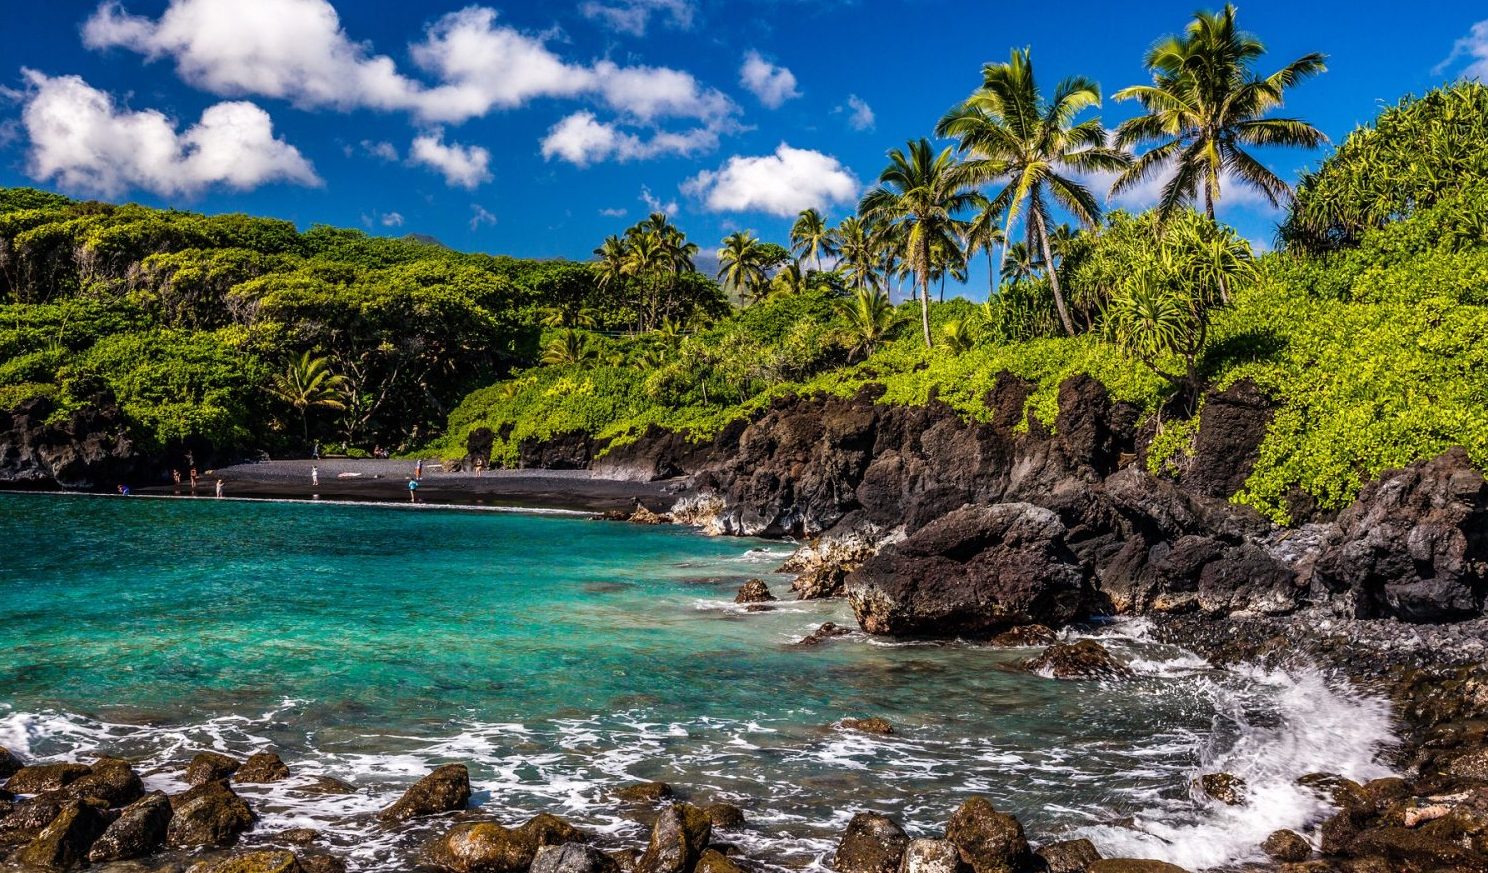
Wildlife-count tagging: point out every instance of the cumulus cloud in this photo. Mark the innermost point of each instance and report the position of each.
(782, 183)
(83, 142)
(582, 139)
(860, 115)
(462, 166)
(656, 204)
(772, 84)
(297, 50)
(614, 212)
(1474, 49)
(392, 219)
(633, 16)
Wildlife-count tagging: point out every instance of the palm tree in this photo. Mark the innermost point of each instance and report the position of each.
(923, 193)
(870, 317)
(1036, 148)
(1019, 262)
(790, 280)
(859, 253)
(741, 264)
(957, 335)
(307, 382)
(983, 234)
(811, 236)
(569, 347)
(1205, 106)
(609, 266)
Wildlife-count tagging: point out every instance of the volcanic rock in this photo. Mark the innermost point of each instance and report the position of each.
(139, 830)
(210, 814)
(64, 843)
(930, 856)
(988, 841)
(1082, 659)
(572, 858)
(210, 767)
(45, 777)
(261, 768)
(446, 789)
(754, 591)
(678, 839)
(872, 843)
(1069, 856)
(1287, 846)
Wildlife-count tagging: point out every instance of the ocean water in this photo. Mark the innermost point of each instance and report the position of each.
(561, 657)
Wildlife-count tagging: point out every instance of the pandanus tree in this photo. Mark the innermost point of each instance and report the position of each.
(743, 265)
(307, 382)
(811, 236)
(1035, 150)
(925, 194)
(1205, 107)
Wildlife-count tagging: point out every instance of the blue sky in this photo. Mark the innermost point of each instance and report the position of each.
(535, 129)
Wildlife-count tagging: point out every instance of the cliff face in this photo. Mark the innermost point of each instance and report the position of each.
(1413, 546)
(88, 450)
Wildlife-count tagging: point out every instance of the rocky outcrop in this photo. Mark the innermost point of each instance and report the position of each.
(139, 830)
(261, 768)
(89, 449)
(754, 591)
(1413, 546)
(446, 789)
(872, 843)
(1228, 443)
(678, 840)
(1068, 856)
(210, 814)
(988, 841)
(487, 847)
(209, 767)
(974, 572)
(64, 843)
(1083, 659)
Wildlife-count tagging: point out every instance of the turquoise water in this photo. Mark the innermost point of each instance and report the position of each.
(560, 657)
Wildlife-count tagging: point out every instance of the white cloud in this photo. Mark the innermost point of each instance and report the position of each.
(614, 212)
(463, 166)
(781, 184)
(1146, 193)
(82, 141)
(655, 204)
(860, 115)
(480, 215)
(1474, 46)
(772, 84)
(582, 139)
(382, 150)
(392, 219)
(633, 16)
(297, 50)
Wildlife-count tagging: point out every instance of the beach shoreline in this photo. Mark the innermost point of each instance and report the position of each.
(386, 481)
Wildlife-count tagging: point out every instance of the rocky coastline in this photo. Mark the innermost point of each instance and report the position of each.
(996, 531)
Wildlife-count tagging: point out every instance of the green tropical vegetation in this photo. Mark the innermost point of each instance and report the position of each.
(1365, 325)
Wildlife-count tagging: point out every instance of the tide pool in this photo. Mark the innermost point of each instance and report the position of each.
(560, 657)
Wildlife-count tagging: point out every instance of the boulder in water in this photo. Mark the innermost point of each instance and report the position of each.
(1025, 635)
(261, 768)
(45, 777)
(974, 572)
(754, 591)
(825, 632)
(269, 861)
(111, 780)
(1287, 846)
(1069, 856)
(482, 847)
(209, 767)
(988, 841)
(714, 861)
(1227, 788)
(9, 763)
(872, 843)
(572, 858)
(320, 862)
(446, 789)
(873, 725)
(210, 814)
(930, 856)
(139, 830)
(651, 793)
(65, 842)
(1133, 865)
(326, 786)
(1083, 659)
(677, 840)
(724, 815)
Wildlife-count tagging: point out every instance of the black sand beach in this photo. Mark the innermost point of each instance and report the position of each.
(387, 481)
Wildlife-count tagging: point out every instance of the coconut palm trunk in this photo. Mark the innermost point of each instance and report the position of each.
(1042, 230)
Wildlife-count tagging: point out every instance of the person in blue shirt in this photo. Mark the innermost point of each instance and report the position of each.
(413, 490)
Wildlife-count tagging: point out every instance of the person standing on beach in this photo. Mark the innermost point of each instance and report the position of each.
(413, 490)
(418, 470)
(193, 479)
(219, 487)
(176, 480)
(314, 476)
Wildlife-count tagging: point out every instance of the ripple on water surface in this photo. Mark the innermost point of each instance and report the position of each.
(562, 657)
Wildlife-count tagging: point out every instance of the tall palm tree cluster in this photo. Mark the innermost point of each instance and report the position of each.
(643, 267)
(1019, 152)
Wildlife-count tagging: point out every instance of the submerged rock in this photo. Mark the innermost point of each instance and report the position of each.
(644, 792)
(209, 767)
(64, 843)
(930, 856)
(1082, 659)
(754, 591)
(1226, 788)
(975, 572)
(678, 839)
(572, 858)
(872, 843)
(1026, 635)
(326, 785)
(822, 634)
(874, 725)
(988, 841)
(1287, 846)
(37, 778)
(446, 789)
(1069, 856)
(210, 814)
(724, 815)
(261, 768)
(139, 830)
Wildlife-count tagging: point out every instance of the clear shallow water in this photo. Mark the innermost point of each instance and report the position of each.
(561, 657)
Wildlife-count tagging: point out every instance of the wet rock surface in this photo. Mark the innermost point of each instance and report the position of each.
(872, 843)
(446, 789)
(678, 839)
(1082, 659)
(139, 830)
(1068, 856)
(987, 840)
(210, 814)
